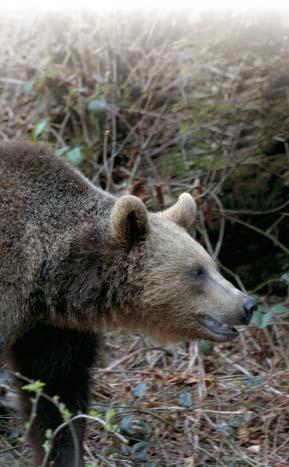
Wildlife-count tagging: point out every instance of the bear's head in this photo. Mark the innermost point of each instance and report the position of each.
(172, 289)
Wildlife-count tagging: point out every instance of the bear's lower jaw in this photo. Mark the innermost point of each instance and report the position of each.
(223, 331)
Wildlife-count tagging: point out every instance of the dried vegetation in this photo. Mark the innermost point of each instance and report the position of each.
(156, 104)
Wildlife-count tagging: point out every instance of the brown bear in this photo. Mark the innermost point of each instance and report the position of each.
(75, 260)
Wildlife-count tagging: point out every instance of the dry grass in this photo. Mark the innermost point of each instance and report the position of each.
(225, 407)
(239, 413)
(189, 105)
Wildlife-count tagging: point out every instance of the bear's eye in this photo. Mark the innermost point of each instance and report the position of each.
(198, 271)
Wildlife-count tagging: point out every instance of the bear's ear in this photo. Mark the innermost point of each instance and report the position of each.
(129, 220)
(183, 212)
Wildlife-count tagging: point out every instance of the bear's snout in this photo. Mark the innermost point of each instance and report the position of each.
(249, 305)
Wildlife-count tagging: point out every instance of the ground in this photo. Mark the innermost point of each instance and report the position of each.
(193, 404)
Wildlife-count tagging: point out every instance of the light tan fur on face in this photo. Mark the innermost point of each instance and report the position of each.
(165, 298)
(172, 299)
(183, 212)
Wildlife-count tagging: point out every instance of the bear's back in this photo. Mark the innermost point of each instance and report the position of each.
(32, 176)
(43, 202)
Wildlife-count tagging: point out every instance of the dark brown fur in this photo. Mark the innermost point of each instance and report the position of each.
(73, 259)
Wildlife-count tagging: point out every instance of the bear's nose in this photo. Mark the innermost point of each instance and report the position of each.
(250, 305)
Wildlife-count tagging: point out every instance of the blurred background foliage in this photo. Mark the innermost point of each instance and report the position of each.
(159, 103)
(156, 105)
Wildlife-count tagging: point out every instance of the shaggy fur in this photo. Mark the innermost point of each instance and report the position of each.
(73, 259)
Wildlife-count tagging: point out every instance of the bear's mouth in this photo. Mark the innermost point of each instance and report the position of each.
(216, 327)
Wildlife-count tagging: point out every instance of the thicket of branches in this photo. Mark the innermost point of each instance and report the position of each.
(156, 104)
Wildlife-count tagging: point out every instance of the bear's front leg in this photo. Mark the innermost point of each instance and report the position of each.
(60, 358)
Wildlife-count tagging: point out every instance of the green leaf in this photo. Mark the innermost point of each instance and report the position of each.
(285, 277)
(185, 398)
(36, 386)
(267, 319)
(40, 128)
(254, 381)
(206, 347)
(262, 319)
(41, 103)
(185, 70)
(259, 318)
(110, 414)
(145, 429)
(74, 155)
(94, 413)
(126, 423)
(140, 389)
(46, 446)
(28, 86)
(61, 151)
(140, 450)
(234, 422)
(173, 163)
(278, 309)
(66, 414)
(101, 408)
(98, 107)
(13, 433)
(108, 420)
(48, 434)
(185, 128)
